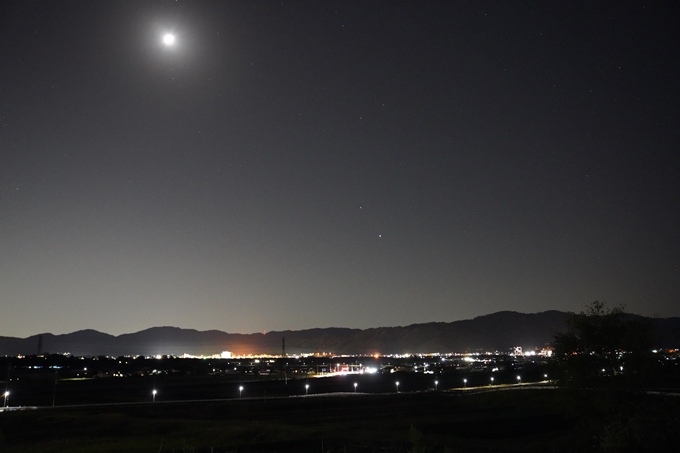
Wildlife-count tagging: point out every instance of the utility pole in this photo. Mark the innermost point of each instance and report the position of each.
(9, 367)
(54, 391)
(283, 355)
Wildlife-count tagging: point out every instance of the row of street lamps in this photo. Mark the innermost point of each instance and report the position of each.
(240, 389)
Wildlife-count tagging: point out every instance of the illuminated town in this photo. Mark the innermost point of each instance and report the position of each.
(55, 374)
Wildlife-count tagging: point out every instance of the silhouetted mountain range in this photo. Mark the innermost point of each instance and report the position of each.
(499, 331)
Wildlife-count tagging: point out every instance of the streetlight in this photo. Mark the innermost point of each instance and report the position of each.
(6, 397)
(435, 385)
(397, 386)
(519, 379)
(545, 376)
(491, 381)
(464, 383)
(306, 389)
(169, 39)
(355, 387)
(154, 395)
(240, 390)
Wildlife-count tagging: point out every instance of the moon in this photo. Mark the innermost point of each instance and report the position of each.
(169, 39)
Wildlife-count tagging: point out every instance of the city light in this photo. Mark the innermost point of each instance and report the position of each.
(169, 39)
(240, 370)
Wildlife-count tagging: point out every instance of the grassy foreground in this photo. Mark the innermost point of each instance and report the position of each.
(509, 421)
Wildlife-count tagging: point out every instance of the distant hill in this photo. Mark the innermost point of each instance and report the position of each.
(499, 331)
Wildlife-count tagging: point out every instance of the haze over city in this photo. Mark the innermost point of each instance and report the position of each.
(255, 166)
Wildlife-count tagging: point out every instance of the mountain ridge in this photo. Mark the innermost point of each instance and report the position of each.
(496, 331)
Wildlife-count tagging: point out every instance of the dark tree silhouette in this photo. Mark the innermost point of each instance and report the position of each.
(605, 348)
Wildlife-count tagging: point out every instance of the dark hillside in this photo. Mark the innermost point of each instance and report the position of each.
(499, 331)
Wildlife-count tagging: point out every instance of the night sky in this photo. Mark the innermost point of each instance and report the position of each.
(290, 165)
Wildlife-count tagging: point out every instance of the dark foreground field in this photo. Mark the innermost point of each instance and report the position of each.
(520, 421)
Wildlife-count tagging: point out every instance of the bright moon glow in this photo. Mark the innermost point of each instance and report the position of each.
(168, 39)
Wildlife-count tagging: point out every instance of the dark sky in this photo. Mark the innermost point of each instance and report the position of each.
(290, 165)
